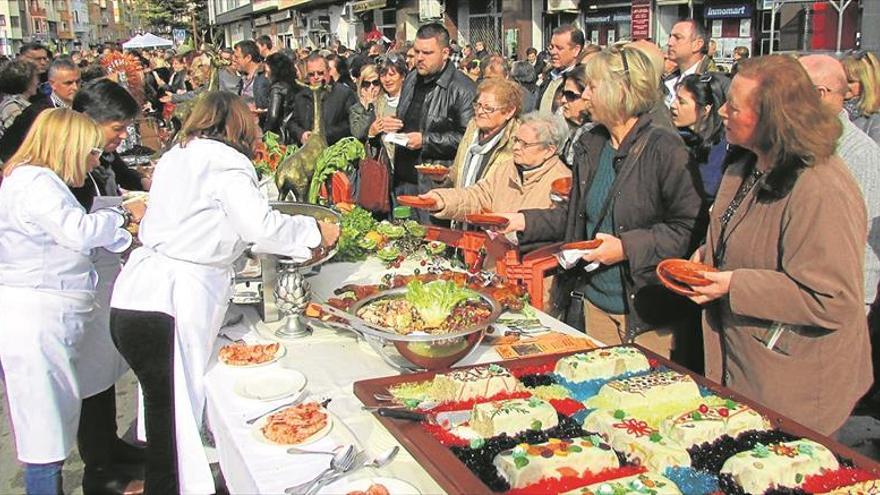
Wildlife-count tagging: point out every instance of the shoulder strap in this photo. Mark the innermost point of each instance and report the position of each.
(633, 156)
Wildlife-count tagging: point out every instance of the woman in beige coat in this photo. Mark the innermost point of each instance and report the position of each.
(784, 321)
(523, 180)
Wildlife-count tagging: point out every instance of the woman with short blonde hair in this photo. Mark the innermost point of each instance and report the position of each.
(625, 82)
(47, 285)
(863, 102)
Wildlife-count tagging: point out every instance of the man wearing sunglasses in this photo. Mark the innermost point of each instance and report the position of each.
(335, 104)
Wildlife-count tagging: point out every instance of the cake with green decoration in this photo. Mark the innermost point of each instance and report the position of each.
(711, 420)
(653, 389)
(648, 483)
(779, 465)
(514, 416)
(869, 487)
(474, 383)
(637, 440)
(604, 363)
(526, 464)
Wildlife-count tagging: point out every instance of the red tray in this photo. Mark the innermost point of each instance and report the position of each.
(580, 245)
(455, 477)
(486, 220)
(432, 170)
(416, 202)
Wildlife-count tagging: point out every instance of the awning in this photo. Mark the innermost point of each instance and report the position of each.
(148, 40)
(365, 5)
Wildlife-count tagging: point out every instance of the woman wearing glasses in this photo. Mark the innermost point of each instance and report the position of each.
(695, 112)
(574, 109)
(47, 285)
(784, 320)
(633, 191)
(525, 181)
(863, 72)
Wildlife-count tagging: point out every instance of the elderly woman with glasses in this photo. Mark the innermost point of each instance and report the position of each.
(523, 181)
(632, 191)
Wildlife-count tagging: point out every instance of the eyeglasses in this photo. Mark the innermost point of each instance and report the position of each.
(319, 73)
(390, 58)
(96, 152)
(374, 83)
(858, 54)
(706, 78)
(519, 142)
(571, 96)
(479, 107)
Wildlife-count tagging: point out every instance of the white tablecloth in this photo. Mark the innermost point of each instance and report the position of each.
(332, 362)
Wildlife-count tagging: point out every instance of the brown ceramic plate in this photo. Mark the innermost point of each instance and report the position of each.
(486, 220)
(684, 271)
(432, 170)
(416, 202)
(561, 186)
(579, 245)
(673, 285)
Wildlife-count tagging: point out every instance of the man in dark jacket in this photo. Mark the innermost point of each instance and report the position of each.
(566, 46)
(254, 86)
(436, 104)
(335, 104)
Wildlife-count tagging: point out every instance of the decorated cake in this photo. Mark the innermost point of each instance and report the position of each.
(647, 483)
(709, 422)
(526, 464)
(870, 487)
(474, 383)
(780, 465)
(491, 419)
(601, 364)
(637, 440)
(655, 390)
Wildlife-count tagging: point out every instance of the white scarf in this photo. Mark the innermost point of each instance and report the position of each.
(474, 157)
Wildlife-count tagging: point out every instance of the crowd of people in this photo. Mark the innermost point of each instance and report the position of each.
(770, 173)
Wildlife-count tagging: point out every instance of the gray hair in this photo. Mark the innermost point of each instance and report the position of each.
(552, 129)
(62, 63)
(523, 72)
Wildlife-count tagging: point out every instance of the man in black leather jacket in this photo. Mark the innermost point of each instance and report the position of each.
(335, 105)
(436, 104)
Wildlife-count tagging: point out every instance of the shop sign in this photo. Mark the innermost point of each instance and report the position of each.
(261, 21)
(641, 20)
(728, 11)
(607, 19)
(281, 16)
(366, 5)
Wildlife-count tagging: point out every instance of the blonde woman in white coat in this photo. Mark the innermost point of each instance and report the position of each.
(169, 300)
(47, 285)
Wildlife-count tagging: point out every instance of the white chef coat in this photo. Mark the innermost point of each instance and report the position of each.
(205, 208)
(47, 285)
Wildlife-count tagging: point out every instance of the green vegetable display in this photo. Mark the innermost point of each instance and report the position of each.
(339, 157)
(435, 300)
(354, 225)
(390, 230)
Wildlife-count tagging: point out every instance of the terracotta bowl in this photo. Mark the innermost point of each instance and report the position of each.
(432, 170)
(561, 186)
(580, 245)
(416, 202)
(686, 272)
(486, 220)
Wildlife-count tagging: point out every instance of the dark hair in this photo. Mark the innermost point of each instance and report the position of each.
(90, 72)
(392, 61)
(579, 75)
(524, 73)
(576, 35)
(248, 47)
(281, 68)
(699, 32)
(316, 56)
(434, 30)
(708, 89)
(105, 101)
(32, 47)
(265, 40)
(795, 129)
(742, 51)
(16, 76)
(531, 50)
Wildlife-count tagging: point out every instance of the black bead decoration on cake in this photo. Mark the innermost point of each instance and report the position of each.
(533, 381)
(711, 457)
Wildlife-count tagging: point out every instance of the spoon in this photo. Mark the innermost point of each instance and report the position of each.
(294, 450)
(341, 461)
(379, 462)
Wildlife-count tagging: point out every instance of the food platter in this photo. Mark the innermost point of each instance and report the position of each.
(251, 355)
(582, 245)
(257, 428)
(274, 385)
(433, 170)
(319, 213)
(487, 220)
(417, 202)
(393, 486)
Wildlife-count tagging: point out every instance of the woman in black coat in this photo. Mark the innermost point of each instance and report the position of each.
(281, 74)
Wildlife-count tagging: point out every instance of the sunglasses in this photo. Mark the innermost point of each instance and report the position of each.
(319, 73)
(392, 58)
(374, 83)
(96, 151)
(571, 96)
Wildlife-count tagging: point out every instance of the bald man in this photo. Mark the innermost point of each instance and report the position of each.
(860, 153)
(659, 112)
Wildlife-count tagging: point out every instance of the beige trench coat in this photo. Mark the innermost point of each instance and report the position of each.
(502, 152)
(796, 261)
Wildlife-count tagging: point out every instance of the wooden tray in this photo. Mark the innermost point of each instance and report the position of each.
(454, 477)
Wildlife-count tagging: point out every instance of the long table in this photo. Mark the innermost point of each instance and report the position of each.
(331, 361)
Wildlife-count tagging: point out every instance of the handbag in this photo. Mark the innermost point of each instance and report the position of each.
(374, 181)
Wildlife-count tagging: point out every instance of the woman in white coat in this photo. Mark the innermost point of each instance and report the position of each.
(47, 285)
(168, 303)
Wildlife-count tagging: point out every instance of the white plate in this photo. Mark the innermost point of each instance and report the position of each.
(395, 486)
(274, 385)
(257, 432)
(278, 355)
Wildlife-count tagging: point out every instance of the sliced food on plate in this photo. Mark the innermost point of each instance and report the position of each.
(296, 425)
(250, 354)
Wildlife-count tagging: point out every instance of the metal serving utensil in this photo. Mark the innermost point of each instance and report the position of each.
(341, 461)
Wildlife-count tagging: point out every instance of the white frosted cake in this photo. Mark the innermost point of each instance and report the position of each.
(474, 383)
(870, 487)
(526, 464)
(640, 484)
(491, 419)
(708, 423)
(779, 465)
(601, 364)
(637, 440)
(654, 389)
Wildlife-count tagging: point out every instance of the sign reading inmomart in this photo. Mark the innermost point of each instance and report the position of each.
(736, 11)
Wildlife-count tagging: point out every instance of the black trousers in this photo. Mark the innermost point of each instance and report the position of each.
(96, 437)
(146, 341)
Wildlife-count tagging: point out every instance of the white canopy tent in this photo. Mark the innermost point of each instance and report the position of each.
(148, 40)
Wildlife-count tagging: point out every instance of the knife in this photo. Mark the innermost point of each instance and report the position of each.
(447, 419)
